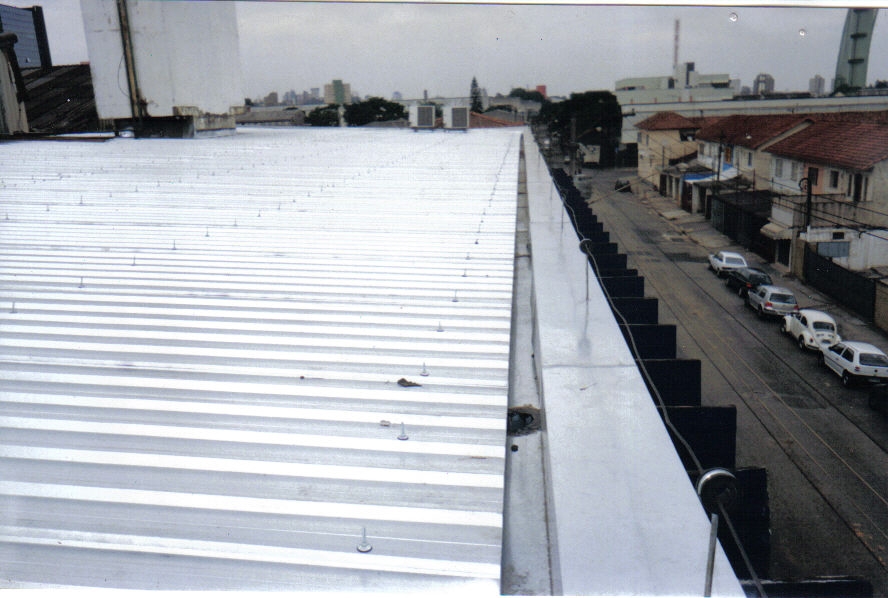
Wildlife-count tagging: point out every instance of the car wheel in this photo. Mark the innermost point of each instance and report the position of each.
(821, 358)
(847, 380)
(802, 343)
(761, 312)
(740, 292)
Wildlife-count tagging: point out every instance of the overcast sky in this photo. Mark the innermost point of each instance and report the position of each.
(381, 48)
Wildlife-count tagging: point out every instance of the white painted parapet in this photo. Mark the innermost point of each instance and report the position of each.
(624, 518)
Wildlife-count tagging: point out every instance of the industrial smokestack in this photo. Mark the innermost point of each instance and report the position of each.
(675, 47)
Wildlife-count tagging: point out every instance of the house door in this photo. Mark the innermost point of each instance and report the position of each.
(858, 185)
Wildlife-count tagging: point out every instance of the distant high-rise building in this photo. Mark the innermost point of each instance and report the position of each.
(290, 97)
(315, 93)
(817, 85)
(337, 92)
(764, 83)
(542, 90)
(271, 99)
(397, 96)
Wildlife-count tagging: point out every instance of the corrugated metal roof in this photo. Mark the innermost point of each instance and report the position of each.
(210, 349)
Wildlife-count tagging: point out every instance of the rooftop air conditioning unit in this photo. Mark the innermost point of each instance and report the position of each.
(422, 117)
(456, 117)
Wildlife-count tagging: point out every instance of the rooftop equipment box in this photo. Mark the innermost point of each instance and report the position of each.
(164, 60)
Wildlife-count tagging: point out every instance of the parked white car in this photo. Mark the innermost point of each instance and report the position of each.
(724, 261)
(811, 329)
(854, 361)
(770, 300)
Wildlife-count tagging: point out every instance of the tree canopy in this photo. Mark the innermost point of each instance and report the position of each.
(323, 116)
(596, 117)
(373, 110)
(527, 94)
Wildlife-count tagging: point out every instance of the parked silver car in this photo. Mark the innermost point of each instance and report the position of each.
(770, 300)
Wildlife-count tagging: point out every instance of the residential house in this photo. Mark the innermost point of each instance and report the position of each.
(665, 140)
(741, 140)
(830, 180)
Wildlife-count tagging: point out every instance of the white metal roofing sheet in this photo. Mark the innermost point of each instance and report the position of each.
(209, 349)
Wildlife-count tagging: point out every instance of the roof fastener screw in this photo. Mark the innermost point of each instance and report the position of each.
(80, 286)
(174, 244)
(134, 260)
(424, 371)
(440, 328)
(364, 546)
(12, 311)
(208, 232)
(403, 434)
(455, 299)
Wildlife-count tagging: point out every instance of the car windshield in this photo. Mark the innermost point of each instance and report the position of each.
(873, 359)
(735, 261)
(781, 298)
(824, 326)
(760, 278)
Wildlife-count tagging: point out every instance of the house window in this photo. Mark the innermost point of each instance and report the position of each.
(833, 179)
(638, 140)
(749, 159)
(793, 170)
(857, 187)
(778, 169)
(647, 140)
(834, 248)
(813, 176)
(838, 235)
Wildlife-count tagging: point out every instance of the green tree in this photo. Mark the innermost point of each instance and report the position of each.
(595, 116)
(477, 105)
(373, 110)
(527, 94)
(323, 116)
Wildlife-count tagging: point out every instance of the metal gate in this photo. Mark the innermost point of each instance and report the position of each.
(849, 288)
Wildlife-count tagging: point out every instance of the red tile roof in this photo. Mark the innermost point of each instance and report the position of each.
(482, 121)
(662, 121)
(853, 145)
(750, 130)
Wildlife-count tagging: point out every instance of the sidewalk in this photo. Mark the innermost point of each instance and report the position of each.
(696, 228)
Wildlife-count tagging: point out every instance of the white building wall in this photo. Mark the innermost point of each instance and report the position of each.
(186, 55)
(867, 249)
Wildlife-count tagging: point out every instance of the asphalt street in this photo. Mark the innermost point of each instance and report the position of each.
(823, 448)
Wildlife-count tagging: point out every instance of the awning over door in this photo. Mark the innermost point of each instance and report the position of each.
(776, 231)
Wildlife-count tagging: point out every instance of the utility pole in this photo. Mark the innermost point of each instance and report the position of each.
(807, 185)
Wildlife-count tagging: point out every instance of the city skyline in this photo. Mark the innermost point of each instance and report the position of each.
(380, 48)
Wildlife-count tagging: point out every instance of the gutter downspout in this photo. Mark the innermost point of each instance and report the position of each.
(137, 104)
